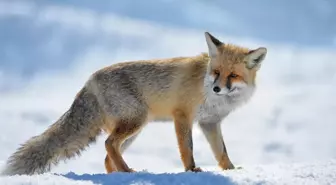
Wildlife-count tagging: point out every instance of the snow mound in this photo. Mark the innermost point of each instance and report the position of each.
(299, 173)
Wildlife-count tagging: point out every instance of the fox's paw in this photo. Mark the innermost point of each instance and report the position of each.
(131, 170)
(227, 166)
(196, 169)
(232, 167)
(128, 170)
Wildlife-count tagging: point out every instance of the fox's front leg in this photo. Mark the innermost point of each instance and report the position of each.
(213, 134)
(183, 128)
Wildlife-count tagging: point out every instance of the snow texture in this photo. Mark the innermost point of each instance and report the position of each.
(322, 173)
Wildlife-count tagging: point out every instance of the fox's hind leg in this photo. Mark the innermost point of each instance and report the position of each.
(109, 166)
(124, 103)
(123, 129)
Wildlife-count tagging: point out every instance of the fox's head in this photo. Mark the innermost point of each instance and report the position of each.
(232, 69)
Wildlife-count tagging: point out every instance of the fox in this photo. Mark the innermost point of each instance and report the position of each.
(122, 98)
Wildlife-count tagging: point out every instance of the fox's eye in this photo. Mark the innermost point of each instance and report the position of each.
(216, 72)
(233, 75)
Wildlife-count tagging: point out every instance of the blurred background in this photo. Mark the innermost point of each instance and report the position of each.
(48, 49)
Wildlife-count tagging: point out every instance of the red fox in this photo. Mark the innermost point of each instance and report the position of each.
(122, 98)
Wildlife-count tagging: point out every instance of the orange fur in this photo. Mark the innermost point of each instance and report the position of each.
(232, 60)
(108, 165)
(183, 128)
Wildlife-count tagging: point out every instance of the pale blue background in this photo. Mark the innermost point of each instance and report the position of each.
(300, 22)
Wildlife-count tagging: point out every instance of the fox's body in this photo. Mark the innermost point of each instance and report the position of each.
(122, 98)
(156, 86)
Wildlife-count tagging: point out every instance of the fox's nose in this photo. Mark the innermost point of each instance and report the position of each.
(216, 89)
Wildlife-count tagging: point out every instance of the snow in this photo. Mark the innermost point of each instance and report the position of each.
(321, 173)
(284, 135)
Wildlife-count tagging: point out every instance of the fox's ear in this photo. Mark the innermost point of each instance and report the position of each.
(213, 43)
(255, 57)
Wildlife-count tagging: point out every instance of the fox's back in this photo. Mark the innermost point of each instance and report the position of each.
(161, 85)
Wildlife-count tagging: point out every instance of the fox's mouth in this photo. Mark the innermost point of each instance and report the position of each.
(234, 92)
(233, 89)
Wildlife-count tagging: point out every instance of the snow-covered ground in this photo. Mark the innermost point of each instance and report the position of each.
(284, 135)
(317, 173)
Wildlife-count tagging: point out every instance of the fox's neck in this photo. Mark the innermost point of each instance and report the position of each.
(204, 74)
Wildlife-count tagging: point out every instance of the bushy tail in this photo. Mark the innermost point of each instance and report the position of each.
(69, 135)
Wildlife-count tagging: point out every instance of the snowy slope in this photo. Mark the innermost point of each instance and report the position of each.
(321, 173)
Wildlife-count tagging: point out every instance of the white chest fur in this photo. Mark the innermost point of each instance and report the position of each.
(216, 107)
